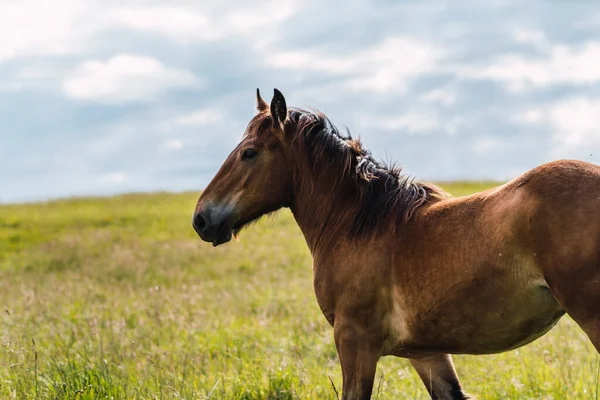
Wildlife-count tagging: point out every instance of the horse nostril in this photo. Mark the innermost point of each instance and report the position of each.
(200, 223)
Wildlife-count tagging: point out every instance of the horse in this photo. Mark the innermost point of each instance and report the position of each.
(402, 268)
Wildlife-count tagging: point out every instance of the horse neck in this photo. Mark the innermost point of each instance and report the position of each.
(324, 205)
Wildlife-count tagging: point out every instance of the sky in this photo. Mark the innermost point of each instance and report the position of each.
(109, 96)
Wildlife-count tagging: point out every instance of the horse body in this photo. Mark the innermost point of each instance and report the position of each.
(478, 274)
(456, 278)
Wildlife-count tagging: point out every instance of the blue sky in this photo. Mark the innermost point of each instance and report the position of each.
(102, 97)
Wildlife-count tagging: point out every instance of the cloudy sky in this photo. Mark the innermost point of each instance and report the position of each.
(109, 96)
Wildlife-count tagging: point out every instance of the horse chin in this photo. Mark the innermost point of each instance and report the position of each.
(222, 237)
(228, 232)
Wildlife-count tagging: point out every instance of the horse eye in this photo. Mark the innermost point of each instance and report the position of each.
(249, 154)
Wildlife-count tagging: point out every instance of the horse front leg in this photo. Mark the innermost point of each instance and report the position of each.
(358, 353)
(439, 376)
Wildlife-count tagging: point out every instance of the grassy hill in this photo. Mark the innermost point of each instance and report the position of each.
(115, 298)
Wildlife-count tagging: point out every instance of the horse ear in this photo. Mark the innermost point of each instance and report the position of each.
(261, 105)
(278, 110)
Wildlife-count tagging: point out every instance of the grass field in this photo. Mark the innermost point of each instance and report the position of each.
(117, 298)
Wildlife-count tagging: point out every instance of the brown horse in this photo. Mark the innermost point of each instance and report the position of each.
(402, 268)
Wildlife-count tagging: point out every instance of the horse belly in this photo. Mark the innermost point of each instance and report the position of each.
(480, 324)
(521, 318)
(522, 321)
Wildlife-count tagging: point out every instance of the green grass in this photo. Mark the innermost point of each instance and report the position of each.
(117, 298)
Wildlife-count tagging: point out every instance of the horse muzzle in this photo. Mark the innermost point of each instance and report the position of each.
(213, 224)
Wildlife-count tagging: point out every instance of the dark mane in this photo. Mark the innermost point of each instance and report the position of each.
(382, 189)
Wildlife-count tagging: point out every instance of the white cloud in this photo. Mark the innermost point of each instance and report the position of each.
(531, 37)
(574, 122)
(385, 67)
(172, 21)
(34, 27)
(413, 122)
(485, 145)
(34, 76)
(173, 144)
(199, 118)
(203, 21)
(113, 178)
(41, 27)
(254, 17)
(124, 78)
(444, 96)
(561, 65)
(529, 117)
